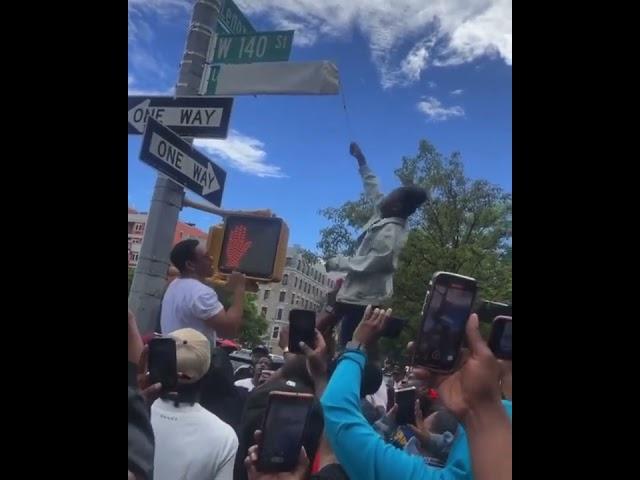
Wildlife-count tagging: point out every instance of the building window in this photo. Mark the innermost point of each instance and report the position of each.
(295, 282)
(282, 293)
(293, 298)
(276, 331)
(323, 279)
(264, 312)
(298, 267)
(279, 317)
(134, 257)
(139, 227)
(285, 279)
(266, 294)
(289, 262)
(331, 283)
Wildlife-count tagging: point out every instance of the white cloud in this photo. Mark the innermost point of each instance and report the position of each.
(435, 111)
(459, 91)
(431, 84)
(405, 36)
(243, 152)
(133, 90)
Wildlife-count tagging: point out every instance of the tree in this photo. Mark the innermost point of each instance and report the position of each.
(463, 227)
(254, 325)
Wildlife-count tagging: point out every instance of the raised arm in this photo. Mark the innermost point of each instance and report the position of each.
(369, 179)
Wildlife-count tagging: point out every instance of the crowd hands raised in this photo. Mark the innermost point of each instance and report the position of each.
(351, 446)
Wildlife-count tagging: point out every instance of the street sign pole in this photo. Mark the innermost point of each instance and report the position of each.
(153, 262)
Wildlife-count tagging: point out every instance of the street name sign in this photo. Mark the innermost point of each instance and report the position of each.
(254, 47)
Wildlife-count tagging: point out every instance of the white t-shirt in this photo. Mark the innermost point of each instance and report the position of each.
(191, 443)
(186, 304)
(245, 383)
(380, 398)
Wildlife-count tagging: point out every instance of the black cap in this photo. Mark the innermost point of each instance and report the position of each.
(260, 349)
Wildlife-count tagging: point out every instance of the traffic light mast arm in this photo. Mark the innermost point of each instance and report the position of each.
(223, 213)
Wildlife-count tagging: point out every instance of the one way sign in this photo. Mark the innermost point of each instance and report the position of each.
(168, 153)
(198, 117)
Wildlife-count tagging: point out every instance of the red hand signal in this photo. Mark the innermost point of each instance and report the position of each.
(237, 246)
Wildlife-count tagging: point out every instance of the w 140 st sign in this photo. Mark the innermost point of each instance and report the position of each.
(168, 153)
(254, 47)
(198, 117)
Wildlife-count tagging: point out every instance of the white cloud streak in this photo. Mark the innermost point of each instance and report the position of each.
(459, 91)
(134, 90)
(435, 111)
(405, 36)
(242, 152)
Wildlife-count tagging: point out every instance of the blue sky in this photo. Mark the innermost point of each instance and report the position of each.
(408, 71)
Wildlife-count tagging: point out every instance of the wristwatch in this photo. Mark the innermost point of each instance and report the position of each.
(353, 345)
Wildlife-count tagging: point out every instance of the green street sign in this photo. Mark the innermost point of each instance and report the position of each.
(212, 81)
(254, 48)
(232, 20)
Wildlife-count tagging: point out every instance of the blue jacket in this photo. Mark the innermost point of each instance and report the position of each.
(361, 451)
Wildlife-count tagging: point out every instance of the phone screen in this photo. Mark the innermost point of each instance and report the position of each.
(163, 362)
(283, 429)
(405, 399)
(449, 304)
(302, 328)
(500, 338)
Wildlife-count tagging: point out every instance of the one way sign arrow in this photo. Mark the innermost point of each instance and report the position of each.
(198, 117)
(168, 153)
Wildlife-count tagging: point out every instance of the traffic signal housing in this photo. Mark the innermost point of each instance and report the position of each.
(253, 245)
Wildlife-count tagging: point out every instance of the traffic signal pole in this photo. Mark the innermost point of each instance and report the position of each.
(153, 261)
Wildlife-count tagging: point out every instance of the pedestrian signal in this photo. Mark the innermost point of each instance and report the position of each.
(253, 245)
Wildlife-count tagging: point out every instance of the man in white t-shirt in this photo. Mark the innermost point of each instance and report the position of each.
(189, 303)
(191, 443)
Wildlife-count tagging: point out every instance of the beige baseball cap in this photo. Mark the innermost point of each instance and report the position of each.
(193, 354)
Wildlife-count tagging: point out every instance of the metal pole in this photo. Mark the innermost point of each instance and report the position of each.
(153, 262)
(186, 202)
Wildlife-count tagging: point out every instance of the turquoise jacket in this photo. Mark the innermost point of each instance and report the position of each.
(361, 451)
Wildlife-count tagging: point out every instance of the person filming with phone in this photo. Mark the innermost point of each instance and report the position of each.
(370, 271)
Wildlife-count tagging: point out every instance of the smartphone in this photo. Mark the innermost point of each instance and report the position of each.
(283, 429)
(488, 310)
(393, 327)
(405, 398)
(163, 367)
(500, 337)
(302, 328)
(447, 306)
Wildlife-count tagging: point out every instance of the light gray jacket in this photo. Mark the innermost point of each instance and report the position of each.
(370, 272)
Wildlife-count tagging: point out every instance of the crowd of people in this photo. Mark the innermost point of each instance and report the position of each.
(209, 425)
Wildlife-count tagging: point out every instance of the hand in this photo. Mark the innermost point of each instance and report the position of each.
(252, 459)
(355, 151)
(476, 385)
(236, 280)
(283, 341)
(316, 359)
(264, 377)
(419, 428)
(371, 325)
(135, 340)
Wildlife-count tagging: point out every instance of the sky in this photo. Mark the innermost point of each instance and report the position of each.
(409, 69)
